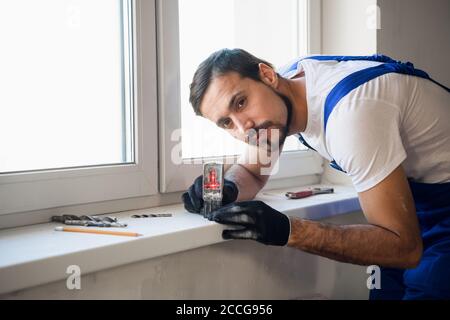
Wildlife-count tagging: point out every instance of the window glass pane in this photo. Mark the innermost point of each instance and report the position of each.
(269, 29)
(63, 77)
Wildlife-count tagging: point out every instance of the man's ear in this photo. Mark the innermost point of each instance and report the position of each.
(268, 75)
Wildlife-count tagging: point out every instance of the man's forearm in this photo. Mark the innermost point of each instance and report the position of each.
(248, 184)
(358, 244)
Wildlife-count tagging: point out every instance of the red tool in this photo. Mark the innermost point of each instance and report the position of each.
(212, 182)
(308, 193)
(212, 187)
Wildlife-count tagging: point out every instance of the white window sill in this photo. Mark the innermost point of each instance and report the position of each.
(35, 255)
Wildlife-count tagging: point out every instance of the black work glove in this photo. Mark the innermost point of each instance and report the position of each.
(193, 198)
(257, 220)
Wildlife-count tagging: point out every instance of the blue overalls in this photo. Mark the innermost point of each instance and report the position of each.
(431, 278)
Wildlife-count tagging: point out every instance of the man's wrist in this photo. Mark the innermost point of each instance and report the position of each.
(290, 230)
(295, 224)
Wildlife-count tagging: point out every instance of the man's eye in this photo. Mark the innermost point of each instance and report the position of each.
(241, 103)
(226, 123)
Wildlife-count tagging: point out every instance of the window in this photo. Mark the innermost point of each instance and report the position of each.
(65, 93)
(75, 125)
(277, 31)
(90, 109)
(266, 28)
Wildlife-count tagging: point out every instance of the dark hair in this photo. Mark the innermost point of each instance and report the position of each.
(219, 63)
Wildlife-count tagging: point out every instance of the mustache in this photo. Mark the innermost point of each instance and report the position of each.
(265, 125)
(253, 135)
(289, 107)
(284, 129)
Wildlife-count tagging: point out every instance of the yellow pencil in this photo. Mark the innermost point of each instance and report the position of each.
(113, 233)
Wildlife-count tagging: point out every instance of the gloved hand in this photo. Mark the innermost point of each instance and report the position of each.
(257, 220)
(193, 198)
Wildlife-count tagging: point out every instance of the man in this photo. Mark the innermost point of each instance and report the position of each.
(383, 122)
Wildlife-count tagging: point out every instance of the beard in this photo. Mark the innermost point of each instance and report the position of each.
(268, 135)
(263, 135)
(288, 105)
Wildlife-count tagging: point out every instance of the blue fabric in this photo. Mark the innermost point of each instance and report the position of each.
(392, 286)
(375, 57)
(431, 278)
(358, 78)
(333, 163)
(395, 66)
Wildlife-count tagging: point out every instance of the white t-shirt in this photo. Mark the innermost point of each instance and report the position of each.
(391, 120)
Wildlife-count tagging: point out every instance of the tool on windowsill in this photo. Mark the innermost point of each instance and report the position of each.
(152, 215)
(89, 221)
(212, 187)
(309, 192)
(107, 232)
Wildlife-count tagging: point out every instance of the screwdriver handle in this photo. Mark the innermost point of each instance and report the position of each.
(299, 195)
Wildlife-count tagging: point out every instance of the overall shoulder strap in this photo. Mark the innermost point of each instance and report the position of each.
(374, 57)
(360, 77)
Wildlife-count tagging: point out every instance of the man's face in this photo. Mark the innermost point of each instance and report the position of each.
(240, 104)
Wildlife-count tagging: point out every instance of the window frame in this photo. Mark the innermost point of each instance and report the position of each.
(178, 177)
(36, 190)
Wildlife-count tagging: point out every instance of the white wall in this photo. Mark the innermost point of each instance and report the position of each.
(348, 27)
(408, 30)
(417, 31)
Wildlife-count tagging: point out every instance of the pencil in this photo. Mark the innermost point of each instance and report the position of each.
(113, 233)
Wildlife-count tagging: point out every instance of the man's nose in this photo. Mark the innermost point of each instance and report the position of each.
(243, 124)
